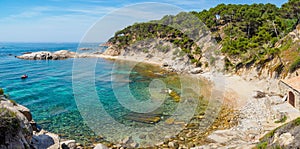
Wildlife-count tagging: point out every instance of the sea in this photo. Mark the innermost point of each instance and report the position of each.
(49, 90)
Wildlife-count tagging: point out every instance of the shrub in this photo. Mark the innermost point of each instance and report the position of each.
(262, 145)
(212, 60)
(176, 51)
(282, 120)
(9, 124)
(145, 50)
(1, 91)
(228, 64)
(13, 102)
(295, 65)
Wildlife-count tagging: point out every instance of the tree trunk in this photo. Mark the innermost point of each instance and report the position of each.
(274, 25)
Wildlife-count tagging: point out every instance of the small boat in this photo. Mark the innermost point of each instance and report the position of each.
(24, 76)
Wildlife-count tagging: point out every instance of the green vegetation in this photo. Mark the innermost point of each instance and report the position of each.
(13, 102)
(167, 29)
(1, 91)
(282, 120)
(9, 124)
(249, 34)
(262, 145)
(251, 31)
(295, 65)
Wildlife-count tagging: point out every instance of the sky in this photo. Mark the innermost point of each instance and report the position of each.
(75, 20)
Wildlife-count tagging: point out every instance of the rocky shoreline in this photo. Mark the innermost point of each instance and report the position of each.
(19, 130)
(259, 111)
(253, 116)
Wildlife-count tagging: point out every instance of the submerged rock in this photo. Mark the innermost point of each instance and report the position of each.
(175, 96)
(149, 118)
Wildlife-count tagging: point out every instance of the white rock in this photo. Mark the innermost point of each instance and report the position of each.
(196, 71)
(286, 139)
(71, 144)
(100, 146)
(134, 145)
(173, 144)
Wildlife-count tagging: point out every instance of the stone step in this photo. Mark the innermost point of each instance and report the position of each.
(149, 118)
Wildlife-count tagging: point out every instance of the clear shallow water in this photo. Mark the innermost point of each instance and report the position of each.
(49, 95)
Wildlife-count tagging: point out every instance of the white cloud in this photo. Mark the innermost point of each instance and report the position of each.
(33, 12)
(123, 17)
(54, 23)
(146, 11)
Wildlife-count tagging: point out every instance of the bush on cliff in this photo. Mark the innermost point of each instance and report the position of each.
(9, 125)
(1, 91)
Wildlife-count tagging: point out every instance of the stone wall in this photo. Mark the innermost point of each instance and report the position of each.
(285, 89)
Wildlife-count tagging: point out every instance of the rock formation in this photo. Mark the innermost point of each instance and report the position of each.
(18, 130)
(58, 55)
(45, 55)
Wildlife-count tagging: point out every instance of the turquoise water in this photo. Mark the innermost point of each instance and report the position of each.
(48, 91)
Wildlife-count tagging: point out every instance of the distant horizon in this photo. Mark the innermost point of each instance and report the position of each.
(58, 21)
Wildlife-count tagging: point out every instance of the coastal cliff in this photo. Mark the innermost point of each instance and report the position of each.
(252, 42)
(170, 42)
(18, 130)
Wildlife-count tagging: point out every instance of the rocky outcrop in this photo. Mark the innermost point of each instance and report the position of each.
(58, 55)
(286, 136)
(112, 51)
(15, 129)
(19, 131)
(45, 55)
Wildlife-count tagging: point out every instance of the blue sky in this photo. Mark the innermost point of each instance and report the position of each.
(70, 20)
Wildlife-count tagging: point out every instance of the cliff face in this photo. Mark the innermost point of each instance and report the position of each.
(156, 51)
(19, 131)
(181, 42)
(16, 129)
